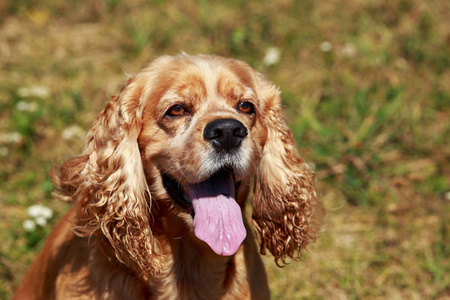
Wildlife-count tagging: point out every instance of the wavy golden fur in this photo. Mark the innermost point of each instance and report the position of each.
(182, 123)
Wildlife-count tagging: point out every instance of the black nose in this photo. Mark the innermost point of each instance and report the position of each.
(225, 134)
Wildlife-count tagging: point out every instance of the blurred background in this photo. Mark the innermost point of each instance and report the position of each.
(366, 91)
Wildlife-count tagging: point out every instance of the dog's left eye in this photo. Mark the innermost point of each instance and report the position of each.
(245, 107)
(176, 110)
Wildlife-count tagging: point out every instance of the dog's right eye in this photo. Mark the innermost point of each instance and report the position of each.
(176, 110)
(246, 107)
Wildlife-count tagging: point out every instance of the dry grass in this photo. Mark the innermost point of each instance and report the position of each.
(366, 91)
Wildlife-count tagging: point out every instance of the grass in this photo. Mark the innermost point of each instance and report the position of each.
(366, 93)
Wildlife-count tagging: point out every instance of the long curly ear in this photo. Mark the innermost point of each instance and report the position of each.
(107, 184)
(286, 211)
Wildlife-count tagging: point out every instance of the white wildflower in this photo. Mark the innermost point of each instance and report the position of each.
(10, 138)
(39, 91)
(41, 221)
(72, 132)
(39, 211)
(26, 106)
(29, 225)
(272, 56)
(326, 46)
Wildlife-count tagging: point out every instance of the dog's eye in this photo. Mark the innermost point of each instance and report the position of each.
(176, 110)
(245, 107)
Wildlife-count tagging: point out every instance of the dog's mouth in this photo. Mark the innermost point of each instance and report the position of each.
(217, 217)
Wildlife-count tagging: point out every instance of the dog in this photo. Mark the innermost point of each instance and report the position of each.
(159, 193)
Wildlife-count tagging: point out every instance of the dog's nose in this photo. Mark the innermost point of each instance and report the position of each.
(225, 134)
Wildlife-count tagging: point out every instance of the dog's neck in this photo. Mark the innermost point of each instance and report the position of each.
(188, 264)
(191, 266)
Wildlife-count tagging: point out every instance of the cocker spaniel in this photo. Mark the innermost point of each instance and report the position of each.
(159, 192)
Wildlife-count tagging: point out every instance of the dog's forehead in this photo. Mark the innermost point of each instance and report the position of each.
(208, 79)
(189, 86)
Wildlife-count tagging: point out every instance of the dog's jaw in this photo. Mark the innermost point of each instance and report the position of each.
(217, 218)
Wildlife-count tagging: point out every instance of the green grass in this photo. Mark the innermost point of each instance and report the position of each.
(372, 112)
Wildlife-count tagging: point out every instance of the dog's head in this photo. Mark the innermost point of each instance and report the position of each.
(182, 145)
(202, 139)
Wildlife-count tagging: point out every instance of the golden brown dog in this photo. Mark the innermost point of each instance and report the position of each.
(159, 192)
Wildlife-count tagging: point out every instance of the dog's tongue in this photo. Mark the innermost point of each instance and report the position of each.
(218, 218)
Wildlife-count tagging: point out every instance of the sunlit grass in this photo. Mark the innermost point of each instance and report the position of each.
(365, 89)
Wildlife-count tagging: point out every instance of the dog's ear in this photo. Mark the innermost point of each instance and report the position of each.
(286, 211)
(107, 184)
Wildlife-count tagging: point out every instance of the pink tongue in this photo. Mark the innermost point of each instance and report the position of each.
(218, 218)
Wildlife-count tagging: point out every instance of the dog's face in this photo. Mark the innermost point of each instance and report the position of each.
(201, 142)
(178, 150)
